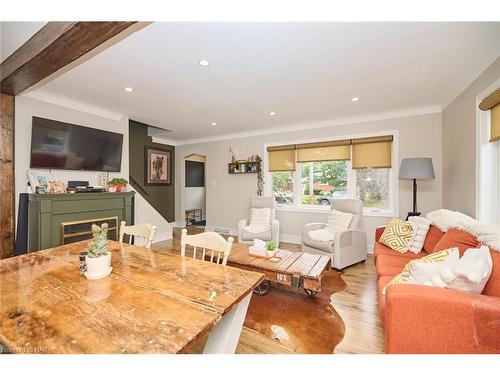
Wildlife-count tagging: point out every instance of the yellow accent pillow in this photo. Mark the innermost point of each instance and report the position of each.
(397, 235)
(411, 271)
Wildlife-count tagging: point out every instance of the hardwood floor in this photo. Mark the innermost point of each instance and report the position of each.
(356, 305)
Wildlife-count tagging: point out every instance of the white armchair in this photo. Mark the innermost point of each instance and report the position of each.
(348, 247)
(270, 235)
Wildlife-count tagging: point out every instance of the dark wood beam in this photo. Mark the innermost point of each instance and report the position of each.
(6, 176)
(54, 46)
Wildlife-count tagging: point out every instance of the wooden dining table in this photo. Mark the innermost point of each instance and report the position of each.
(152, 302)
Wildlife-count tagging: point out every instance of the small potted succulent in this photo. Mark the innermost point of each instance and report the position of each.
(117, 185)
(271, 248)
(98, 259)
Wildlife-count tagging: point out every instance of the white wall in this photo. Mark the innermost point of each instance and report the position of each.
(195, 197)
(228, 196)
(26, 108)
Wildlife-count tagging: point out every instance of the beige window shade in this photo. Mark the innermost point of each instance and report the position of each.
(324, 151)
(374, 152)
(281, 158)
(495, 123)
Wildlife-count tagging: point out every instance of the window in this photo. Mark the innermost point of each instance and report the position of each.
(303, 179)
(283, 187)
(372, 187)
(322, 181)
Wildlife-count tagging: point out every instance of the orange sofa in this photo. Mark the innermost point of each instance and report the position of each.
(423, 319)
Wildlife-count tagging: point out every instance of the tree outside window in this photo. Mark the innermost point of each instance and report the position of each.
(322, 181)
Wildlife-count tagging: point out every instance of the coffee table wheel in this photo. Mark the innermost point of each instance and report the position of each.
(310, 293)
(262, 288)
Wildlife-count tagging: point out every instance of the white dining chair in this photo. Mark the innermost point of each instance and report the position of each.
(210, 244)
(143, 231)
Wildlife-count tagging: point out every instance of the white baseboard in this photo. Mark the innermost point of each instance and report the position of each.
(291, 238)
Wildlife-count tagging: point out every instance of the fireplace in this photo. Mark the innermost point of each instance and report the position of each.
(75, 231)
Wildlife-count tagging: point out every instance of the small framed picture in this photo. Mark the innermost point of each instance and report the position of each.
(157, 166)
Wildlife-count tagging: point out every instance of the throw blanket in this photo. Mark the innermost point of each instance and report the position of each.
(254, 228)
(321, 235)
(485, 233)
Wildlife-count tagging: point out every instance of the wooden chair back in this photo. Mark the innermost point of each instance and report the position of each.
(210, 244)
(143, 231)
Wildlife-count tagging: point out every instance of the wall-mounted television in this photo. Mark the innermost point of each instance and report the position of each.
(60, 145)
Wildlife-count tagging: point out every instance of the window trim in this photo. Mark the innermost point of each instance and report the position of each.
(351, 176)
(487, 164)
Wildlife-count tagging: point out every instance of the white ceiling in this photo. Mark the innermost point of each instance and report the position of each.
(305, 72)
(14, 34)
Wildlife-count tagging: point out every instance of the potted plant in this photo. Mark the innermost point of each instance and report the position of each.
(271, 248)
(117, 184)
(98, 259)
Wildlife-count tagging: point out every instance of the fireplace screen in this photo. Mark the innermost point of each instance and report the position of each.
(75, 231)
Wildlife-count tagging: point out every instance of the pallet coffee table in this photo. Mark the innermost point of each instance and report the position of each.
(295, 269)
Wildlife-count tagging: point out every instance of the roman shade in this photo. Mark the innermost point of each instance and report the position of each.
(324, 151)
(373, 152)
(492, 102)
(281, 158)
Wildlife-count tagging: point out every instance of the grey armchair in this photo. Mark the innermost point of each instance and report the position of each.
(272, 235)
(348, 247)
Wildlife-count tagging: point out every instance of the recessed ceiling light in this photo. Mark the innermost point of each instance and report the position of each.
(272, 113)
(129, 89)
(355, 99)
(204, 62)
(213, 123)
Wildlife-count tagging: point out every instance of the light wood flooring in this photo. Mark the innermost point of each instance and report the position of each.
(357, 306)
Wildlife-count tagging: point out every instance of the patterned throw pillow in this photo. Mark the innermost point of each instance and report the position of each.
(420, 271)
(397, 234)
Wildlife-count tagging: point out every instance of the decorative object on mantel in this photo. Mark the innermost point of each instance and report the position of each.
(157, 166)
(117, 185)
(416, 168)
(98, 260)
(57, 187)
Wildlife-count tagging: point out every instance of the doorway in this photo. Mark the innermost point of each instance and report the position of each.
(195, 191)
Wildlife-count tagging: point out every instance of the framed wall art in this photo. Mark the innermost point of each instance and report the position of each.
(157, 166)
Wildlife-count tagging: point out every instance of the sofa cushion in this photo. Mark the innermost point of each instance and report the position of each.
(432, 238)
(338, 221)
(397, 235)
(381, 249)
(390, 266)
(456, 238)
(325, 246)
(420, 271)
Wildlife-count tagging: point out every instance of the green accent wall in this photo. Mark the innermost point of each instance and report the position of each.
(162, 198)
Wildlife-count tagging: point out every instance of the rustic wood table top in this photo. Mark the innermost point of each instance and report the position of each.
(153, 302)
(291, 262)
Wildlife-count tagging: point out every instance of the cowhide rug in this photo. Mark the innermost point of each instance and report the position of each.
(304, 324)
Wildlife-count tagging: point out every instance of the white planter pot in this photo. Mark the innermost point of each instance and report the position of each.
(270, 254)
(97, 268)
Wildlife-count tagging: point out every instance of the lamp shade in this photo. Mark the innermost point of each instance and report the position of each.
(420, 168)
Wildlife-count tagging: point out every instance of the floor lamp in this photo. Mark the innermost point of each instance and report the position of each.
(416, 168)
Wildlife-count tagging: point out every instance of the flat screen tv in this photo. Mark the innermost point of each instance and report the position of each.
(59, 145)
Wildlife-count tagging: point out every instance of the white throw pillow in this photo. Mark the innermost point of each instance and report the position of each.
(422, 270)
(420, 227)
(338, 221)
(469, 273)
(260, 216)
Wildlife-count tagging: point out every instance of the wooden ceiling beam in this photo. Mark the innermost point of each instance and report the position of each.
(54, 46)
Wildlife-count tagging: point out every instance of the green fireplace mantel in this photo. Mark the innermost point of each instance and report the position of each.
(46, 213)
